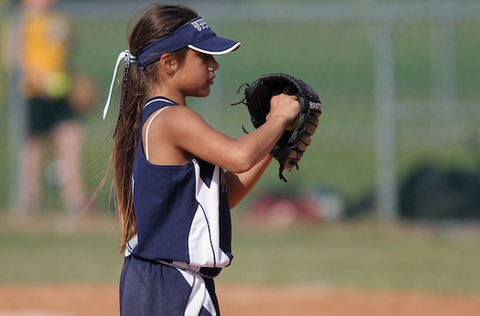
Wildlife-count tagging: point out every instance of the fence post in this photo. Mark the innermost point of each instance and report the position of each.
(17, 117)
(384, 72)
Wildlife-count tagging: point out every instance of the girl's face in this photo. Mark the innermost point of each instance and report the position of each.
(197, 74)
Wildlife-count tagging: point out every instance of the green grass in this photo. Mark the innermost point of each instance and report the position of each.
(349, 255)
(36, 252)
(365, 256)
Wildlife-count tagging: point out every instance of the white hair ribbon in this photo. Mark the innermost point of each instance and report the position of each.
(128, 58)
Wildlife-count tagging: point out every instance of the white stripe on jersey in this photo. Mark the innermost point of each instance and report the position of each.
(205, 248)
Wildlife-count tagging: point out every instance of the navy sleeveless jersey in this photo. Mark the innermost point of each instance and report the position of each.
(182, 212)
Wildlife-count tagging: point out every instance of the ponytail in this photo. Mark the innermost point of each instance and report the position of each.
(126, 138)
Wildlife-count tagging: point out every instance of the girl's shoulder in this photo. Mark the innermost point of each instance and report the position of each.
(177, 112)
(173, 117)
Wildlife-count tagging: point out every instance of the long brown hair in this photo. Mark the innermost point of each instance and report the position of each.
(157, 21)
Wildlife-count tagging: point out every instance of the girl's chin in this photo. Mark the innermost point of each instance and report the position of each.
(203, 94)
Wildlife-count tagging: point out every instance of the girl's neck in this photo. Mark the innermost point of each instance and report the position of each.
(175, 96)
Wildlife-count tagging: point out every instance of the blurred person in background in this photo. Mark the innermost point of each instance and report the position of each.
(41, 51)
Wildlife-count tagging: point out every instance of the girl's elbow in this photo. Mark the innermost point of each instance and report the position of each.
(241, 167)
(242, 163)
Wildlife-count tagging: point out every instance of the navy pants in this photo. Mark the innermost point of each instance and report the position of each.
(149, 288)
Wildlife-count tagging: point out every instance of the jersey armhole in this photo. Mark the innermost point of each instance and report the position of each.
(148, 128)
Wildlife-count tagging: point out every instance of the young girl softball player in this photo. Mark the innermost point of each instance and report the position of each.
(173, 195)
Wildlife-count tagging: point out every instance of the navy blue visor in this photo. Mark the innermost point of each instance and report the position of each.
(195, 34)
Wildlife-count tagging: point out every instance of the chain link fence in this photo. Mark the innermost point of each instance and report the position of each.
(399, 83)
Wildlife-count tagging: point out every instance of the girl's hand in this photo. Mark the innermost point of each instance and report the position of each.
(284, 105)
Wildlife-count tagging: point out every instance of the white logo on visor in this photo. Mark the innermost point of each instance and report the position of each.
(200, 25)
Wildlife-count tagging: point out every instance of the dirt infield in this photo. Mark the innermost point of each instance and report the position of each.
(102, 300)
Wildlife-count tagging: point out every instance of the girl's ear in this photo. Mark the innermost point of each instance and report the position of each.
(168, 63)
